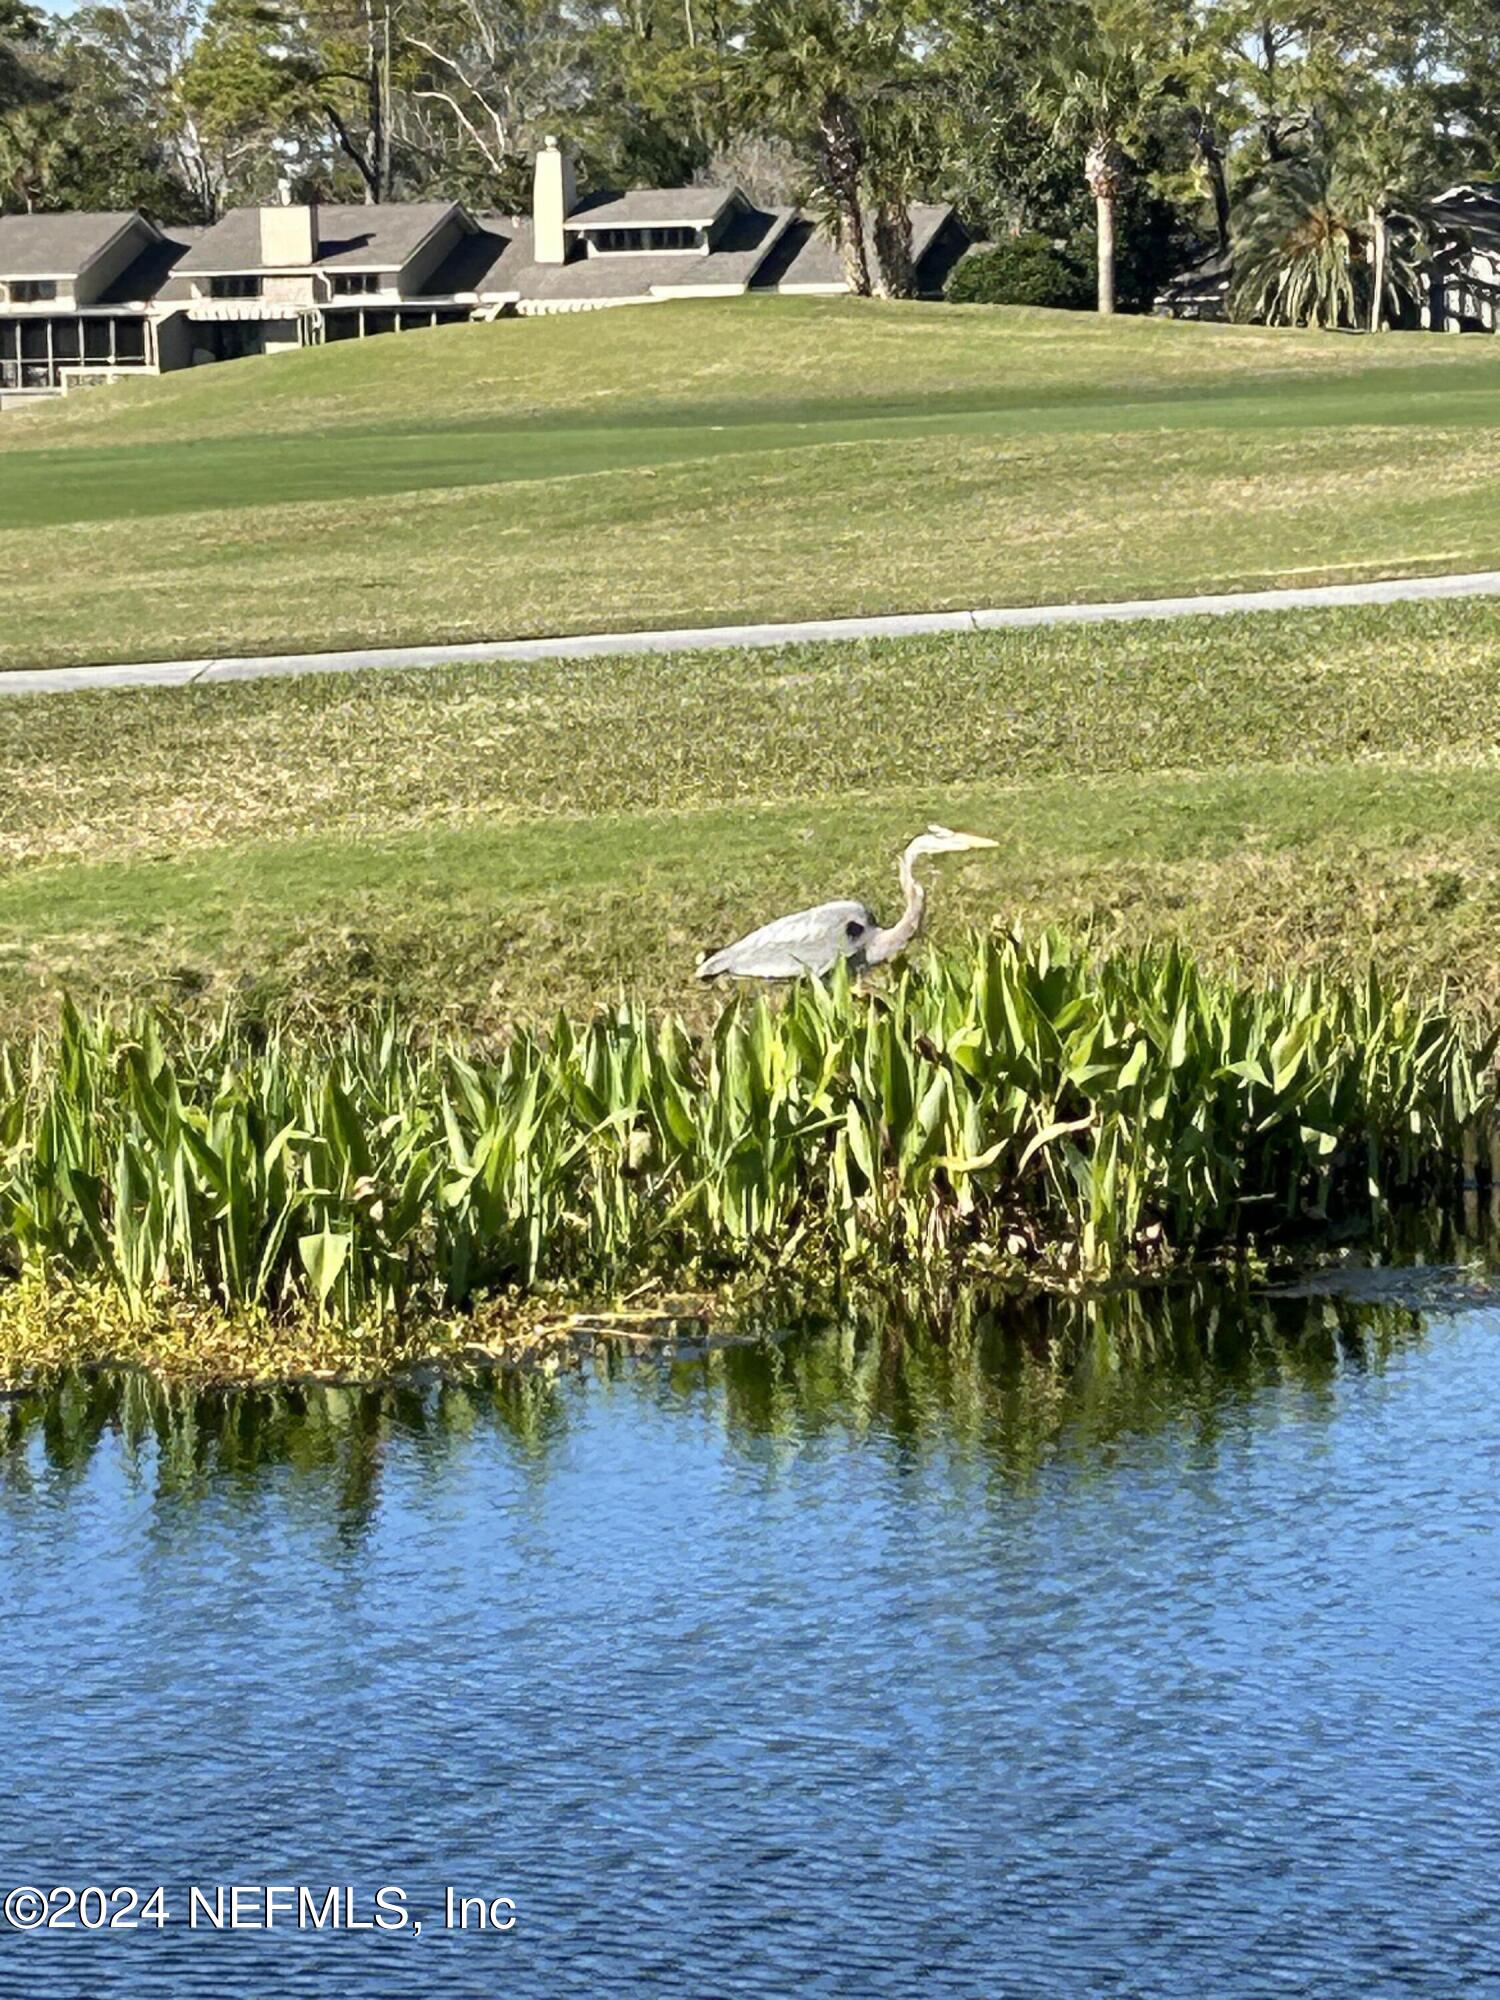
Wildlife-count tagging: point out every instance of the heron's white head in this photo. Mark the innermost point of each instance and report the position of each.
(936, 840)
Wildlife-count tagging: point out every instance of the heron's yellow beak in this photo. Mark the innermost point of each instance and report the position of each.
(943, 840)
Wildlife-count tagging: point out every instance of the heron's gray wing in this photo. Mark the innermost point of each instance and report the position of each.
(806, 941)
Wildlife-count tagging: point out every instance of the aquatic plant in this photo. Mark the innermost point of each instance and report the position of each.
(1022, 1101)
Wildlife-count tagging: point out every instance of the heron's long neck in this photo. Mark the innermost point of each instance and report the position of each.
(886, 944)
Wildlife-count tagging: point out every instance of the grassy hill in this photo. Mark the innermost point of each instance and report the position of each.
(716, 461)
(1289, 791)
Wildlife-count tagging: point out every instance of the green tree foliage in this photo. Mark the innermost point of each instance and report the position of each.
(22, 79)
(125, 95)
(95, 128)
(1135, 132)
(995, 160)
(1392, 160)
(27, 87)
(1298, 247)
(1334, 233)
(1097, 91)
(1464, 83)
(839, 80)
(234, 90)
(1306, 252)
(659, 98)
(1019, 271)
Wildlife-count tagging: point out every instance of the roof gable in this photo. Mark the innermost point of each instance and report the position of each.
(64, 245)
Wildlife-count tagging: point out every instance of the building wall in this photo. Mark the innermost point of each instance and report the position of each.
(174, 341)
(1463, 293)
(289, 288)
(278, 336)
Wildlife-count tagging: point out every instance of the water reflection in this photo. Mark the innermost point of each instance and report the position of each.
(1023, 1382)
(1140, 1646)
(1016, 1382)
(184, 1440)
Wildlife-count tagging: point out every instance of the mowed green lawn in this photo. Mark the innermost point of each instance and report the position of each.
(480, 845)
(717, 461)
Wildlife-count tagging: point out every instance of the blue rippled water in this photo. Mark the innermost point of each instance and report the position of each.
(859, 1669)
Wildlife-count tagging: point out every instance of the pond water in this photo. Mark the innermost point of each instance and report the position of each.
(1142, 1649)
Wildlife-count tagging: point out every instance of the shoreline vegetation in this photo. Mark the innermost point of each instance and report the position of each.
(259, 1201)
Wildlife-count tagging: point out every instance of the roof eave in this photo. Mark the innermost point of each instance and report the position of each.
(656, 222)
(281, 270)
(587, 220)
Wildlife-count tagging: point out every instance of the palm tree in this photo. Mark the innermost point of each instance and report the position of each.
(1308, 253)
(808, 70)
(835, 76)
(1391, 153)
(893, 135)
(1097, 90)
(1296, 246)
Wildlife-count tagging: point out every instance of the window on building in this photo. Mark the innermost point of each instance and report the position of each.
(673, 238)
(32, 291)
(130, 342)
(247, 287)
(349, 284)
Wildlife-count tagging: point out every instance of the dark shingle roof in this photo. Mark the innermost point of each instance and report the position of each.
(57, 246)
(808, 256)
(379, 237)
(651, 208)
(493, 260)
(628, 274)
(1470, 215)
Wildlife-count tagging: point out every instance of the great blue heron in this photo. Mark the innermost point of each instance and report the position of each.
(815, 940)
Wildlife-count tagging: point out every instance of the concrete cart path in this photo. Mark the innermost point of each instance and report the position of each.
(593, 645)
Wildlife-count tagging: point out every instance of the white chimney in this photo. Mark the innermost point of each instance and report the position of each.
(289, 233)
(553, 193)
